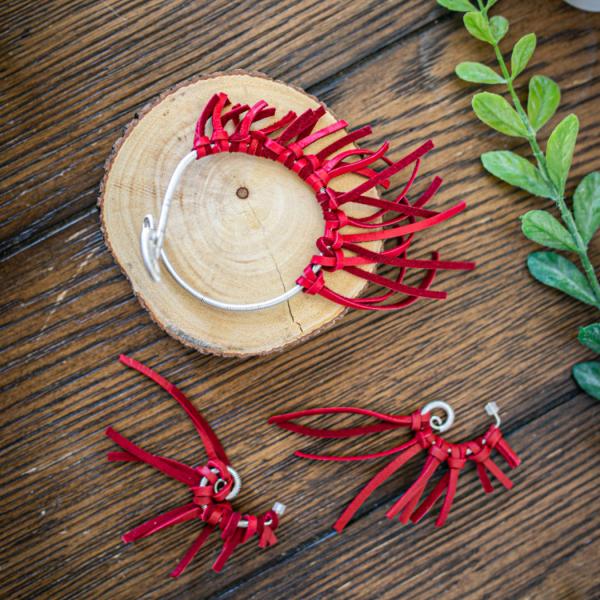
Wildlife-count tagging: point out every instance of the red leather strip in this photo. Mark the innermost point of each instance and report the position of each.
(316, 115)
(338, 250)
(431, 499)
(398, 287)
(439, 451)
(211, 443)
(363, 303)
(388, 422)
(338, 458)
(387, 234)
(456, 462)
(345, 140)
(408, 501)
(321, 133)
(192, 551)
(368, 257)
(126, 457)
(209, 484)
(173, 517)
(285, 120)
(243, 131)
(401, 197)
(182, 473)
(386, 173)
(380, 478)
(390, 206)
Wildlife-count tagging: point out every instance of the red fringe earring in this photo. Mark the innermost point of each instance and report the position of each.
(287, 141)
(423, 425)
(212, 486)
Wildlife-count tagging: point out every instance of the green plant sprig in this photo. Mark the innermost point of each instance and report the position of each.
(546, 178)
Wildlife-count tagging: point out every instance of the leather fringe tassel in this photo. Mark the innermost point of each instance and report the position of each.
(424, 441)
(394, 222)
(209, 484)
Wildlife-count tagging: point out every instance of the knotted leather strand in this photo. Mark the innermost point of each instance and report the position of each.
(438, 451)
(209, 504)
(287, 141)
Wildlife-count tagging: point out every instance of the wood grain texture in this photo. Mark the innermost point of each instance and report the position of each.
(77, 90)
(232, 249)
(66, 312)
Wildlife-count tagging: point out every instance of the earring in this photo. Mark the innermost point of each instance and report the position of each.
(425, 428)
(235, 128)
(212, 486)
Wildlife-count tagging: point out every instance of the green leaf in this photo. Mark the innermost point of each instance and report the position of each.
(521, 54)
(478, 27)
(590, 336)
(587, 375)
(559, 150)
(498, 114)
(586, 205)
(517, 171)
(490, 3)
(498, 27)
(558, 272)
(457, 5)
(541, 227)
(478, 73)
(543, 100)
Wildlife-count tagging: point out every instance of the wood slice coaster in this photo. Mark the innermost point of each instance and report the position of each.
(241, 228)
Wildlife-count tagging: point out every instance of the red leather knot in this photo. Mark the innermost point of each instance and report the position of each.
(274, 148)
(229, 524)
(212, 514)
(416, 420)
(202, 146)
(225, 510)
(219, 479)
(267, 525)
(323, 175)
(334, 241)
(284, 157)
(342, 218)
(300, 166)
(492, 436)
(296, 150)
(255, 148)
(338, 255)
(424, 438)
(457, 457)
(272, 518)
(313, 160)
(439, 450)
(336, 219)
(305, 167)
(326, 197)
(219, 135)
(480, 453)
(259, 135)
(252, 527)
(312, 282)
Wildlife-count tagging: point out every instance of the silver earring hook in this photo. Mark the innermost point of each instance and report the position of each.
(278, 507)
(153, 252)
(237, 482)
(491, 408)
(435, 421)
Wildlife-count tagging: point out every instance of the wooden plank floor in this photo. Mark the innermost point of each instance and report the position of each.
(73, 74)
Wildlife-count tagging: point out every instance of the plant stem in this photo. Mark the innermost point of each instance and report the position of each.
(557, 194)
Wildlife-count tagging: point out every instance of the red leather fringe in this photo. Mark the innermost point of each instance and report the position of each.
(286, 141)
(437, 451)
(208, 504)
